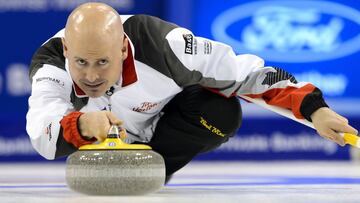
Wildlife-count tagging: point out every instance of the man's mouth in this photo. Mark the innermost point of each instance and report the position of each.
(93, 86)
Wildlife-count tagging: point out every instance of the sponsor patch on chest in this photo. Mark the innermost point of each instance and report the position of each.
(146, 106)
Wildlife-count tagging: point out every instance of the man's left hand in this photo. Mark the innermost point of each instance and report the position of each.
(329, 124)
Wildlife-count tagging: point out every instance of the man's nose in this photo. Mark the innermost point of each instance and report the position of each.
(91, 75)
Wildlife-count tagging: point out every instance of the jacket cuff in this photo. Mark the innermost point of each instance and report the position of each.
(311, 103)
(71, 133)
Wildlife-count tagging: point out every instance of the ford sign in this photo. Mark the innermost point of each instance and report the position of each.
(291, 31)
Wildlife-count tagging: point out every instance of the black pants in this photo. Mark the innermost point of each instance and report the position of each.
(194, 121)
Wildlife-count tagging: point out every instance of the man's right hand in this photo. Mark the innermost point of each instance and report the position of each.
(97, 124)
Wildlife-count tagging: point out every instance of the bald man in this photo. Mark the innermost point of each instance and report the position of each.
(166, 87)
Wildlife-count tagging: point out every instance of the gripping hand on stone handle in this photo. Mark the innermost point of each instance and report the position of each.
(97, 124)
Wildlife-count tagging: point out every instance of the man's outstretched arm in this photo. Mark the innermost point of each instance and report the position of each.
(215, 66)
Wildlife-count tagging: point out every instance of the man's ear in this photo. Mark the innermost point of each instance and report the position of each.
(65, 49)
(124, 49)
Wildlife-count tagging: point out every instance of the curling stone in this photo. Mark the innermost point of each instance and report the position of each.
(115, 168)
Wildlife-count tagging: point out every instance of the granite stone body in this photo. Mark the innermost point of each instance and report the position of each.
(115, 172)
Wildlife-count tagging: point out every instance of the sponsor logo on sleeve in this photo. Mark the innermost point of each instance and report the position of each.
(48, 131)
(190, 44)
(51, 80)
(207, 47)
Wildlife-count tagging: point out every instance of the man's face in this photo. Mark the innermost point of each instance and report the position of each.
(95, 63)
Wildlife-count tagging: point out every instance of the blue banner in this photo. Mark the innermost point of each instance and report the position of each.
(317, 41)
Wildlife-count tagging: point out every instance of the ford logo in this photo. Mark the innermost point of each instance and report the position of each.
(291, 31)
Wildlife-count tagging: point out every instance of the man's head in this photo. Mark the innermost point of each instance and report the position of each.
(95, 47)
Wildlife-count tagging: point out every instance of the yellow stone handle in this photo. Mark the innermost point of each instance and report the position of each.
(114, 142)
(351, 139)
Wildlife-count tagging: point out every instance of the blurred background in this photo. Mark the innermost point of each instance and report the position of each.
(317, 41)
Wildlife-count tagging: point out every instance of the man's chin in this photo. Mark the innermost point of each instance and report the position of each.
(95, 94)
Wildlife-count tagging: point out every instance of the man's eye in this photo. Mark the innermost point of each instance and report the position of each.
(103, 62)
(81, 62)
